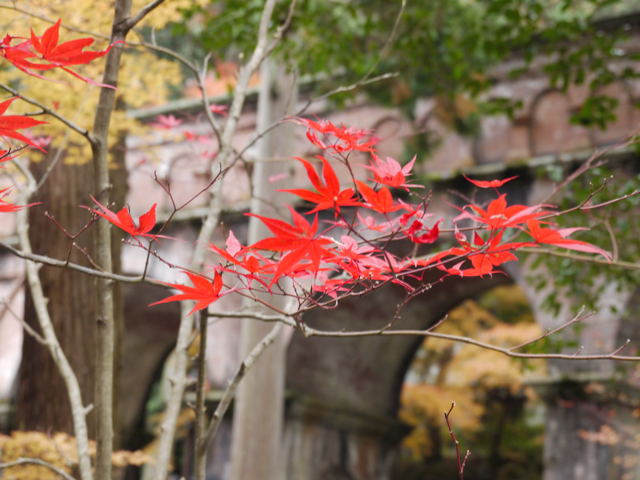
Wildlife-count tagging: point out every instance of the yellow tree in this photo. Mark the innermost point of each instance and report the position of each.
(71, 178)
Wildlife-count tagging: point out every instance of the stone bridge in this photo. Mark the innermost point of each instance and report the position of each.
(343, 394)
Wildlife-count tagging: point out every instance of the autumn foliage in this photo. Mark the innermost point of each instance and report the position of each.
(340, 257)
(340, 238)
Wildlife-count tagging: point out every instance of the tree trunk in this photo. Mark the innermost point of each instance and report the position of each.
(42, 398)
(42, 402)
(259, 404)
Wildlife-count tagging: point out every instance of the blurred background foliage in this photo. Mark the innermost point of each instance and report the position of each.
(496, 415)
(443, 48)
(145, 79)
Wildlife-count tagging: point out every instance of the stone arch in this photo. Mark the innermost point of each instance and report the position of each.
(345, 391)
(551, 131)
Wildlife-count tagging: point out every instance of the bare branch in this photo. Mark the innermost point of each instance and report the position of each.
(144, 11)
(46, 110)
(230, 391)
(577, 318)
(594, 160)
(509, 351)
(53, 262)
(286, 319)
(39, 462)
(105, 321)
(18, 318)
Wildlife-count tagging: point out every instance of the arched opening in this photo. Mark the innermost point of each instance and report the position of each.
(497, 415)
(345, 392)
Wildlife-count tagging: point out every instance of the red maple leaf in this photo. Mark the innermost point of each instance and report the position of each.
(10, 123)
(389, 172)
(6, 155)
(255, 264)
(330, 287)
(10, 207)
(123, 220)
(490, 183)
(483, 255)
(419, 233)
(501, 215)
(45, 52)
(299, 240)
(19, 54)
(166, 122)
(380, 201)
(328, 194)
(340, 139)
(558, 238)
(204, 291)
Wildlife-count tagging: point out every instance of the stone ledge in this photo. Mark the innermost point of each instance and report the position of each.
(592, 387)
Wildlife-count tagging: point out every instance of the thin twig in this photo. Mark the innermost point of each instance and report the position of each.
(18, 318)
(577, 318)
(595, 160)
(461, 462)
(582, 258)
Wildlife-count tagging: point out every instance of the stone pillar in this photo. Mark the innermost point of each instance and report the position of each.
(591, 430)
(330, 442)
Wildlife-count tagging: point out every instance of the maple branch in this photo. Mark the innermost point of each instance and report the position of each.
(390, 39)
(586, 205)
(277, 36)
(232, 387)
(30, 13)
(286, 319)
(200, 80)
(53, 262)
(577, 318)
(615, 250)
(509, 351)
(18, 318)
(46, 110)
(144, 11)
(342, 89)
(36, 461)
